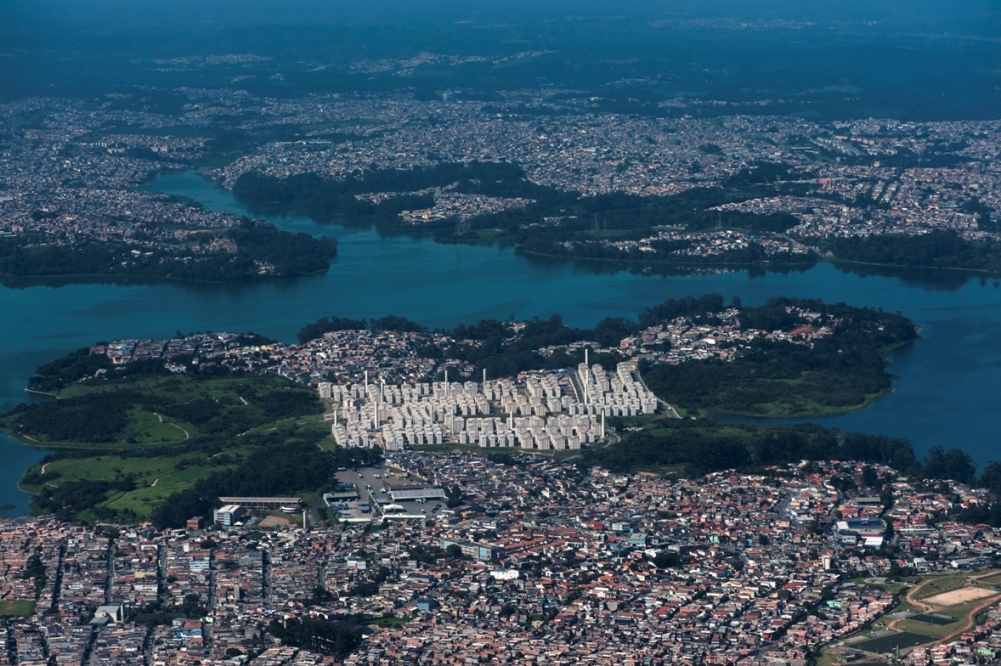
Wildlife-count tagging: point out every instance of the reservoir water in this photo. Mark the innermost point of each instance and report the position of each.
(947, 393)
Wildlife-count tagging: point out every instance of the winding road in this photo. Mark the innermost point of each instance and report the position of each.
(970, 620)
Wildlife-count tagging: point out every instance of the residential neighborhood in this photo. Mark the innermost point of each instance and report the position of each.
(533, 562)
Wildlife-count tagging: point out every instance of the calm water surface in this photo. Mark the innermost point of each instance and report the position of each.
(947, 393)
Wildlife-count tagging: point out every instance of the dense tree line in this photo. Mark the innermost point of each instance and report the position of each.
(839, 371)
(93, 418)
(937, 249)
(989, 514)
(56, 375)
(102, 417)
(271, 468)
(327, 325)
(290, 254)
(69, 498)
(710, 446)
(280, 465)
(321, 197)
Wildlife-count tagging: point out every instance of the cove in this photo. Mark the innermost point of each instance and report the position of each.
(16, 458)
(945, 395)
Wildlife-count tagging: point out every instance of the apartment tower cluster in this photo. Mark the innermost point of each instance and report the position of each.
(555, 410)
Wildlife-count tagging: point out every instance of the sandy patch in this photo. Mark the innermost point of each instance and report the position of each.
(961, 596)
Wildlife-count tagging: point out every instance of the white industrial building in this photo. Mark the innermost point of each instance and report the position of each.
(228, 515)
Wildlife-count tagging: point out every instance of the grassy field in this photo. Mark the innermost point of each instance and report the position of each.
(234, 398)
(156, 477)
(992, 580)
(957, 613)
(940, 584)
(16, 608)
(177, 431)
(886, 644)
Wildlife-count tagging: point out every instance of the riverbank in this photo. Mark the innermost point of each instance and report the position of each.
(700, 265)
(18, 459)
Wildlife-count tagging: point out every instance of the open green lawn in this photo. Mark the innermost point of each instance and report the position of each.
(940, 584)
(144, 439)
(17, 608)
(144, 499)
(170, 473)
(987, 582)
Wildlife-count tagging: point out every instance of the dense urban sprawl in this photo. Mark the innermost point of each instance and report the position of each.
(69, 169)
(535, 563)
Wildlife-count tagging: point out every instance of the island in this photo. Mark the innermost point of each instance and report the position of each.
(153, 429)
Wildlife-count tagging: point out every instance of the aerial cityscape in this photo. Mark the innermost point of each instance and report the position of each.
(500, 333)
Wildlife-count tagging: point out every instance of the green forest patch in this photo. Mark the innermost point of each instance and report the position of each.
(159, 410)
(840, 372)
(235, 434)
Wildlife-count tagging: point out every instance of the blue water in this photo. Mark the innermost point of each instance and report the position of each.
(16, 458)
(946, 394)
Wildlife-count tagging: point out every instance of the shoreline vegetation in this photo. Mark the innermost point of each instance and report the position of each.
(563, 225)
(258, 251)
(684, 267)
(137, 442)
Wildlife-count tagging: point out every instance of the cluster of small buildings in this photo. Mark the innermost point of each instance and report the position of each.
(69, 184)
(343, 355)
(721, 336)
(72, 175)
(539, 563)
(679, 246)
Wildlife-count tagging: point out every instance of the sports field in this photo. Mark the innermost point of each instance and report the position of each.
(884, 644)
(931, 618)
(276, 521)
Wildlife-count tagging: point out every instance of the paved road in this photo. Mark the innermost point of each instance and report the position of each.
(671, 411)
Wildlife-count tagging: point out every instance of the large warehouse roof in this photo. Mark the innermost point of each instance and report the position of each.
(418, 493)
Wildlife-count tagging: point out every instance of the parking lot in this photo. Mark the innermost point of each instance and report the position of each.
(370, 482)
